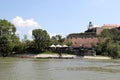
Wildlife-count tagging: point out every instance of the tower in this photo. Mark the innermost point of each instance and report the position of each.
(90, 26)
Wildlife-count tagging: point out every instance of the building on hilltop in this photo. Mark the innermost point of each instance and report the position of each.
(83, 39)
(98, 30)
(90, 26)
(82, 42)
(89, 36)
(110, 26)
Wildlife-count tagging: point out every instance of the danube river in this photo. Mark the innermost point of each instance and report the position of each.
(58, 69)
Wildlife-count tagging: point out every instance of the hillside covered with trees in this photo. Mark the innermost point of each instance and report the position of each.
(109, 43)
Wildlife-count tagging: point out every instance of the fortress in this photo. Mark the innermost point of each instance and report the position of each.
(89, 36)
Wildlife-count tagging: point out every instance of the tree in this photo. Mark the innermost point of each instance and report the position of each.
(57, 39)
(25, 38)
(8, 38)
(24, 43)
(41, 38)
(68, 43)
(54, 40)
(60, 39)
(109, 43)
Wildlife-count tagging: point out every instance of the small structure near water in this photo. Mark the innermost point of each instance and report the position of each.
(59, 49)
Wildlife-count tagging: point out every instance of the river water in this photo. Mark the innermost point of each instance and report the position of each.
(58, 69)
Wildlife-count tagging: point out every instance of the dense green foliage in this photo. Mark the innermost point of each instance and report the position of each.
(42, 39)
(8, 39)
(27, 45)
(109, 43)
(68, 43)
(57, 39)
(11, 44)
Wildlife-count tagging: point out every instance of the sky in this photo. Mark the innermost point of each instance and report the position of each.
(58, 16)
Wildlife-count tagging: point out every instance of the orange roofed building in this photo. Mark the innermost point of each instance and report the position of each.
(81, 39)
(89, 37)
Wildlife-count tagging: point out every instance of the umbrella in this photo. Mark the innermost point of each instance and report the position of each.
(58, 45)
(65, 46)
(53, 45)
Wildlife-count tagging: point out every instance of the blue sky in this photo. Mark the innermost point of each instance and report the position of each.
(59, 16)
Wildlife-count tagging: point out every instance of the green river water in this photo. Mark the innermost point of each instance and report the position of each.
(58, 69)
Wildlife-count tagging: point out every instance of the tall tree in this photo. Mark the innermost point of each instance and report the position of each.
(57, 39)
(41, 38)
(8, 38)
(54, 40)
(60, 39)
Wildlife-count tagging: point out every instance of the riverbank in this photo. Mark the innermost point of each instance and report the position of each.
(56, 56)
(96, 57)
(45, 56)
(68, 56)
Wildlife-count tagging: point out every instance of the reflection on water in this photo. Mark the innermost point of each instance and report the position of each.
(101, 69)
(58, 69)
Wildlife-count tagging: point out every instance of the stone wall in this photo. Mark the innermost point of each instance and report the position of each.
(77, 42)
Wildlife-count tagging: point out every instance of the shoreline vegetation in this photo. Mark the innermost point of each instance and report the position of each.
(10, 44)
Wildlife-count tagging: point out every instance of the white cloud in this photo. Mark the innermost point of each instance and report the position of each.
(20, 22)
(25, 27)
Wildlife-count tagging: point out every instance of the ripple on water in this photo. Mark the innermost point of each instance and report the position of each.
(98, 69)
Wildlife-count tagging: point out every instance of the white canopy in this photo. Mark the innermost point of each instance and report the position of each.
(53, 45)
(58, 45)
(65, 46)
